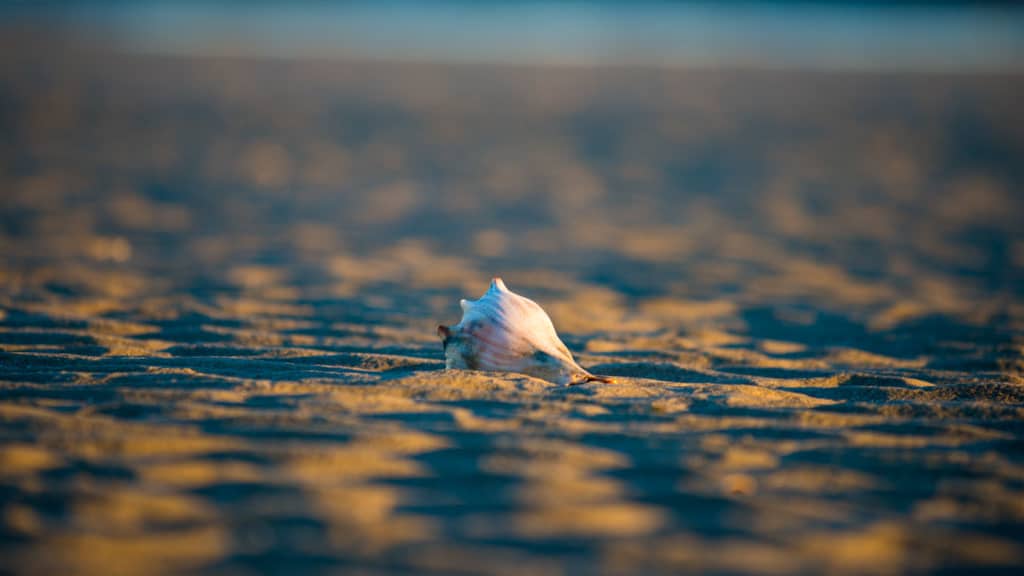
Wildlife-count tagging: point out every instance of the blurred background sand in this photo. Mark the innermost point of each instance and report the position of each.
(792, 230)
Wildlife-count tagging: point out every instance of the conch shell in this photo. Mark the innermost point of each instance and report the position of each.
(503, 331)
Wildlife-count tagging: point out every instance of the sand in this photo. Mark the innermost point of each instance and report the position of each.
(221, 279)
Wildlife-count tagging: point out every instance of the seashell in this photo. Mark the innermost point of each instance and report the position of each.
(503, 331)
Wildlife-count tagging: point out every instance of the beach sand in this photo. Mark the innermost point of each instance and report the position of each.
(221, 280)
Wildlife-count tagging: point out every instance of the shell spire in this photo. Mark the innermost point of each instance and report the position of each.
(503, 331)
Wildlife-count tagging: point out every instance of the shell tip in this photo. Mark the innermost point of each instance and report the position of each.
(587, 378)
(465, 304)
(444, 332)
(498, 284)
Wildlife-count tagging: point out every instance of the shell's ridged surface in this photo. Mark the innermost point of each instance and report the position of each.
(504, 331)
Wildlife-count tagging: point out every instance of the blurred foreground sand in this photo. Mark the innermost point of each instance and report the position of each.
(220, 281)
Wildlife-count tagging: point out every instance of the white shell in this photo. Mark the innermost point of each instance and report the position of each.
(503, 331)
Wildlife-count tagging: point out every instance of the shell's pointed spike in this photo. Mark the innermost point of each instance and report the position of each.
(465, 304)
(444, 332)
(498, 284)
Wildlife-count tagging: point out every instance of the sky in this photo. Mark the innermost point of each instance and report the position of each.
(946, 36)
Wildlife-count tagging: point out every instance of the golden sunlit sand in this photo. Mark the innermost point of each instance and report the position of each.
(221, 280)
